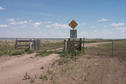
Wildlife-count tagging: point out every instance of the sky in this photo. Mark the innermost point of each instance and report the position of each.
(50, 18)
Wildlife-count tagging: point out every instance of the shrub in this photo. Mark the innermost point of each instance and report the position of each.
(16, 53)
(44, 53)
(1, 53)
(63, 61)
(28, 50)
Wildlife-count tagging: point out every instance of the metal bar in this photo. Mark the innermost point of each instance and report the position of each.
(23, 45)
(24, 40)
(83, 45)
(80, 44)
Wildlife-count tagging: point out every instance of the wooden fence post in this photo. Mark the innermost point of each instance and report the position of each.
(68, 45)
(31, 45)
(65, 46)
(36, 45)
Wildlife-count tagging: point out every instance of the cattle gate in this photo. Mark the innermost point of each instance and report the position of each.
(73, 44)
(24, 44)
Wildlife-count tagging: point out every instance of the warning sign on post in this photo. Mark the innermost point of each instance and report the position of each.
(73, 24)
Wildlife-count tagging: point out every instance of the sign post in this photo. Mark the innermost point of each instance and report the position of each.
(73, 32)
(73, 44)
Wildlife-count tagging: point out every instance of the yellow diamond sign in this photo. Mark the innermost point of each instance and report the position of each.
(73, 24)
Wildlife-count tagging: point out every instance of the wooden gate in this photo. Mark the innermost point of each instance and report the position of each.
(73, 44)
(32, 44)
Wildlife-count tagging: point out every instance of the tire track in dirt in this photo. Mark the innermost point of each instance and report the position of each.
(13, 70)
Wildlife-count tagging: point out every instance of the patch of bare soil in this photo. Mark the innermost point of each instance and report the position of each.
(13, 69)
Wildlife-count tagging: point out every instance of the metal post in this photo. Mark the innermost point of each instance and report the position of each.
(16, 44)
(112, 48)
(83, 45)
(64, 45)
(80, 44)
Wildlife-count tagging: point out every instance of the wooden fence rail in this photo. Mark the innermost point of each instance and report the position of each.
(32, 44)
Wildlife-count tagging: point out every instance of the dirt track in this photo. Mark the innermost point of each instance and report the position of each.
(95, 44)
(13, 69)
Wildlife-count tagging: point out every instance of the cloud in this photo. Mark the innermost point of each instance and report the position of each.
(36, 24)
(121, 29)
(117, 24)
(1, 8)
(57, 26)
(48, 26)
(93, 27)
(46, 22)
(107, 32)
(11, 20)
(3, 26)
(103, 20)
(14, 22)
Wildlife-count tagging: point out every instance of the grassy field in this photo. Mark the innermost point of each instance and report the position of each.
(119, 49)
(53, 45)
(8, 48)
(48, 47)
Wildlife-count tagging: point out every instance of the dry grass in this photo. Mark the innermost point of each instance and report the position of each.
(98, 67)
(49, 45)
(119, 49)
(7, 47)
(87, 70)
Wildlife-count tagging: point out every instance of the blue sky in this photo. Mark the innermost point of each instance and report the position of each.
(50, 18)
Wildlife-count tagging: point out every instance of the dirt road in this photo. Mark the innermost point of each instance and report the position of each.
(95, 44)
(13, 69)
